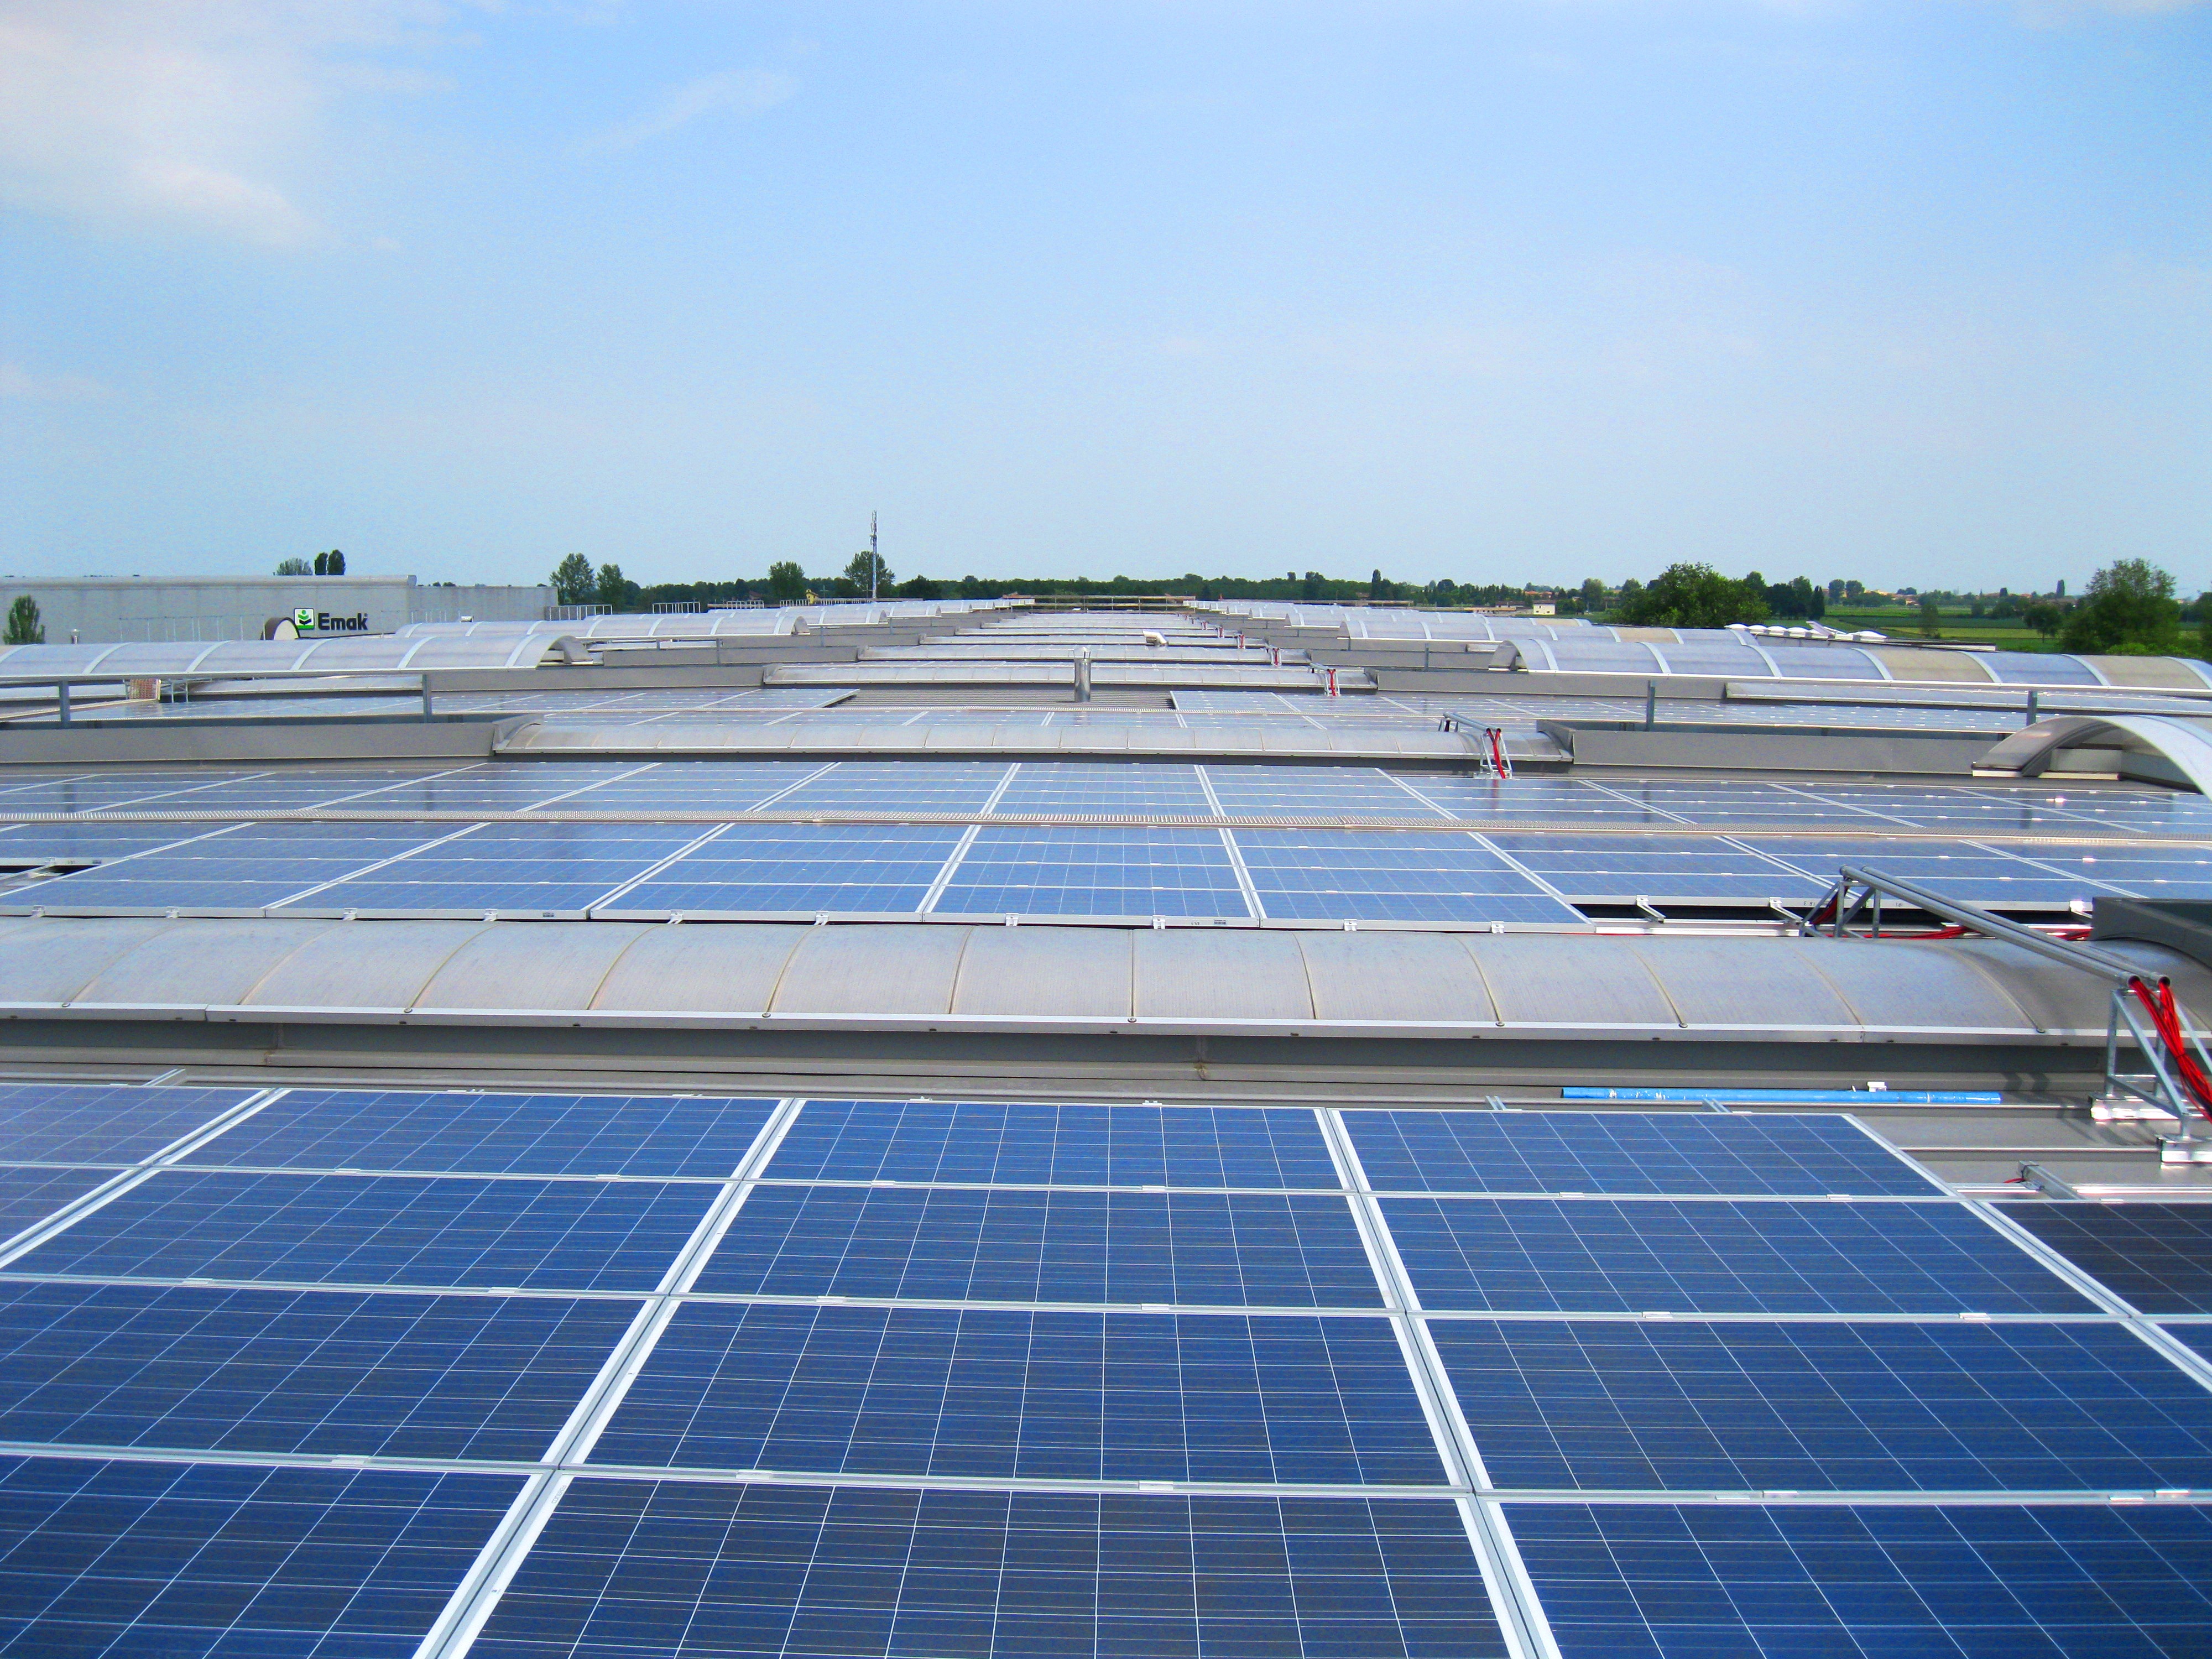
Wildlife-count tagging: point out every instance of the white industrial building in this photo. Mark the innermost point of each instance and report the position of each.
(100, 609)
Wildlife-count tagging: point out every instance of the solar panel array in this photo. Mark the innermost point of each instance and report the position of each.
(331, 1372)
(1174, 841)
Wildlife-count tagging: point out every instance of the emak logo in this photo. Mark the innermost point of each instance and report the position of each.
(306, 621)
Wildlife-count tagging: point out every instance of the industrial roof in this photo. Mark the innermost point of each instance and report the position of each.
(875, 1138)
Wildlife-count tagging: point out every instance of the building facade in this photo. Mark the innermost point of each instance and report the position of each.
(95, 610)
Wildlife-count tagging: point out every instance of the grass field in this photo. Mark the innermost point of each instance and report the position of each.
(2004, 632)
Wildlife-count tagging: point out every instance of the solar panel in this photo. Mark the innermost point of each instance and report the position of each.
(896, 786)
(494, 1134)
(509, 866)
(2157, 872)
(1242, 1249)
(225, 1561)
(1739, 1153)
(394, 1229)
(1954, 869)
(1090, 873)
(1320, 875)
(2159, 1256)
(857, 1325)
(1503, 799)
(29, 843)
(1069, 787)
(1057, 1146)
(652, 1570)
(245, 866)
(1347, 790)
(1622, 868)
(28, 1197)
(1772, 1257)
(734, 786)
(1644, 1581)
(1626, 1405)
(101, 1123)
(759, 868)
(449, 1376)
(1006, 1393)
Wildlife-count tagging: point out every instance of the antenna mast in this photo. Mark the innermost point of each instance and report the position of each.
(875, 561)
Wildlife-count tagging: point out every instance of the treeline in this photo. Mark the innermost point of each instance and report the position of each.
(2129, 609)
(2131, 606)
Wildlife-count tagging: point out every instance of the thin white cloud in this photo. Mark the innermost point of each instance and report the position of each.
(182, 115)
(742, 91)
(21, 384)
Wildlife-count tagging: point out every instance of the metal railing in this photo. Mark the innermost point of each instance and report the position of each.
(2135, 993)
(175, 687)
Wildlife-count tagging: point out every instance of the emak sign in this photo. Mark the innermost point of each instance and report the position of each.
(306, 621)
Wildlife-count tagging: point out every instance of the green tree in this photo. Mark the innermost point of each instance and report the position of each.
(2045, 617)
(574, 582)
(2130, 609)
(920, 587)
(1692, 596)
(612, 588)
(1593, 595)
(786, 582)
(2204, 626)
(337, 565)
(1931, 616)
(24, 627)
(295, 568)
(857, 573)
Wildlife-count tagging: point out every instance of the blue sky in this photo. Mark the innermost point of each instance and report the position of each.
(1913, 293)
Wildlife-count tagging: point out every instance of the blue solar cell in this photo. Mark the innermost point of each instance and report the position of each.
(801, 868)
(1681, 867)
(496, 1134)
(393, 1230)
(1082, 871)
(1622, 1405)
(1649, 1581)
(511, 866)
(1321, 875)
(2164, 872)
(31, 843)
(1080, 787)
(2159, 1256)
(246, 866)
(1599, 1255)
(930, 785)
(1058, 1146)
(1357, 792)
(1954, 869)
(652, 1570)
(1240, 1250)
(1486, 800)
(100, 1123)
(1690, 1154)
(731, 785)
(320, 1372)
(991, 1392)
(30, 1196)
(233, 1563)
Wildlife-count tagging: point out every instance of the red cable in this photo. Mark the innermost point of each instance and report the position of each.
(2165, 1019)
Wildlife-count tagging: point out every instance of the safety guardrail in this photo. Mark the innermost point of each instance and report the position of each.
(2179, 1081)
(63, 684)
